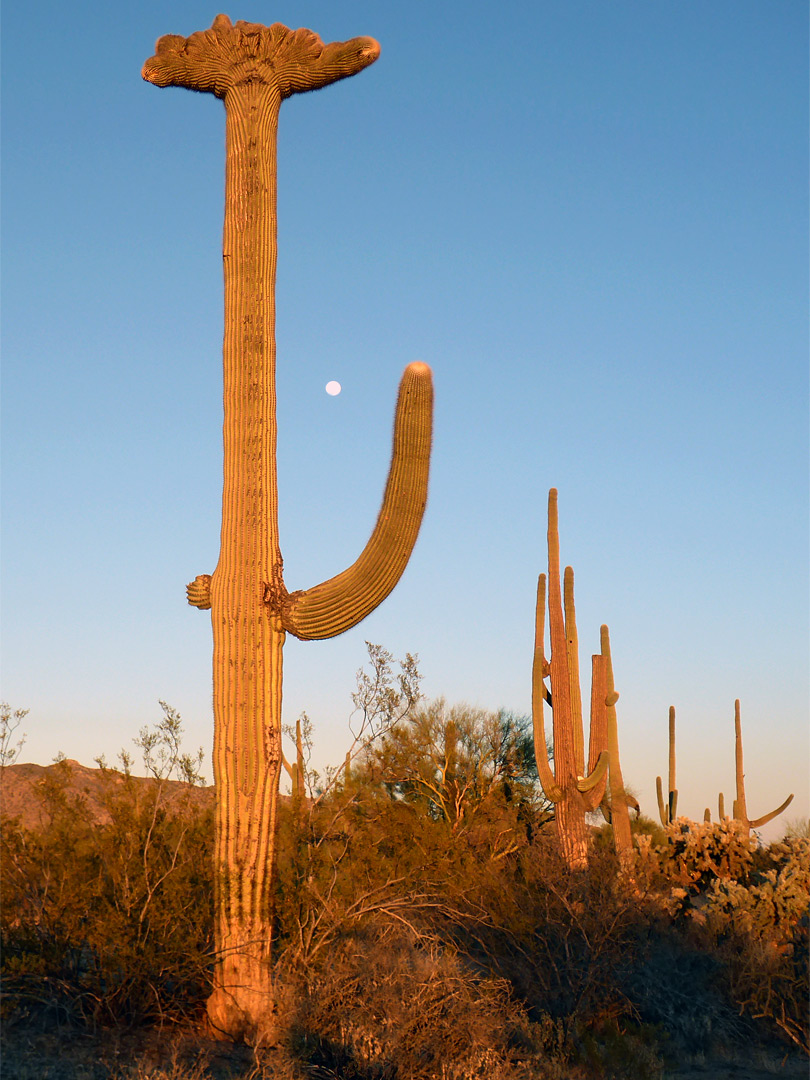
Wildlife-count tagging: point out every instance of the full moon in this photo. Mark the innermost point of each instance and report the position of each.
(333, 388)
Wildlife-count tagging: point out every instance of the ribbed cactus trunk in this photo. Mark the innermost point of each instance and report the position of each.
(248, 637)
(252, 68)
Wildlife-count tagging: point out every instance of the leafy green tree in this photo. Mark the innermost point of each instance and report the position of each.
(455, 763)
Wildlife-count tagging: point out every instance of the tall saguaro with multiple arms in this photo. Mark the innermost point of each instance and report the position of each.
(571, 788)
(252, 69)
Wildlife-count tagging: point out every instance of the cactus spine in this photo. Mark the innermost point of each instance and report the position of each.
(252, 68)
(669, 811)
(740, 811)
(571, 790)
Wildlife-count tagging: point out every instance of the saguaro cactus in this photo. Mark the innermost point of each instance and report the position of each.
(668, 811)
(572, 791)
(739, 809)
(252, 68)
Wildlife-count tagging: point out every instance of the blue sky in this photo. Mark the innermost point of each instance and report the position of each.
(590, 219)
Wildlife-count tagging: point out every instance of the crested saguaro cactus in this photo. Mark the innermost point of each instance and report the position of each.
(739, 810)
(252, 69)
(570, 788)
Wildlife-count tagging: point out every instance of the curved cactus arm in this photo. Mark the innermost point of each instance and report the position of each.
(587, 783)
(343, 601)
(663, 810)
(631, 801)
(760, 821)
(572, 649)
(550, 786)
(668, 811)
(707, 816)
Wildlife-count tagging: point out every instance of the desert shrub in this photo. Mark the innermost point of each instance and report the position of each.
(729, 942)
(760, 930)
(453, 761)
(563, 938)
(110, 921)
(797, 827)
(426, 836)
(440, 795)
(426, 924)
(392, 1003)
(693, 855)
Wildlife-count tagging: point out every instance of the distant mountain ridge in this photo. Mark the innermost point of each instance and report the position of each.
(22, 788)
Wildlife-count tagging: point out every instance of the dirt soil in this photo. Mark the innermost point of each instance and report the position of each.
(175, 1054)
